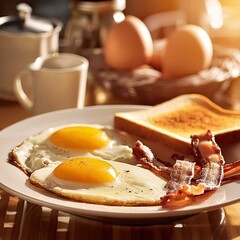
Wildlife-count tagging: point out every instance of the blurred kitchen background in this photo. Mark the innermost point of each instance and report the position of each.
(198, 12)
(62, 9)
(220, 18)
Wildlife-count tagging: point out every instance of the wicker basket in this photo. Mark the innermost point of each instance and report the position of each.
(147, 86)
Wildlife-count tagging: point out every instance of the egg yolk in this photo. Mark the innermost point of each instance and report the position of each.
(80, 137)
(86, 170)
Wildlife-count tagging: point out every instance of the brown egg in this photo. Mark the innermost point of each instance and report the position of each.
(158, 53)
(128, 45)
(188, 50)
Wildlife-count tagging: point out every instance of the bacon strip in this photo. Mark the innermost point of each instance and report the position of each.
(148, 159)
(211, 176)
(232, 169)
(182, 173)
(205, 149)
(187, 178)
(231, 172)
(209, 156)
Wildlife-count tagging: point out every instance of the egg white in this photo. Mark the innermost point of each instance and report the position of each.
(37, 151)
(133, 186)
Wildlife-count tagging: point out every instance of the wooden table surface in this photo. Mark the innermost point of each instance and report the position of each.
(22, 220)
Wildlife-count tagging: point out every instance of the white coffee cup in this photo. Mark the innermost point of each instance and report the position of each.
(56, 82)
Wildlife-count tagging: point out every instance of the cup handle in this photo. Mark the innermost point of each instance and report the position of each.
(21, 95)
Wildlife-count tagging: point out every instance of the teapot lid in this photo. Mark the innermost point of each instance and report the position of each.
(24, 22)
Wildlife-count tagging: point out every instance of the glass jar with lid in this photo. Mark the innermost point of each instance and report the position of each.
(89, 24)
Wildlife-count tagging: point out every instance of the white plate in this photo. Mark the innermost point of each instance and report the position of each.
(14, 181)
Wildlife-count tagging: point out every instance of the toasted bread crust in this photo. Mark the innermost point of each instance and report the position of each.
(153, 135)
(173, 122)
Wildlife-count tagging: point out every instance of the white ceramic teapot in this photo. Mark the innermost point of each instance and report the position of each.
(23, 38)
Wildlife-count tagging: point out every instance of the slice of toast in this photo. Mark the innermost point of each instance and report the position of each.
(173, 122)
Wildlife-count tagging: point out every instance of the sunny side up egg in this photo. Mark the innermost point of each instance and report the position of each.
(69, 141)
(97, 181)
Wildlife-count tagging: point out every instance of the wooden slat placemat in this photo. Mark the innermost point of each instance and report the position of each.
(20, 220)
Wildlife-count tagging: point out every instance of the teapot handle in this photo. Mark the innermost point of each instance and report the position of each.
(21, 95)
